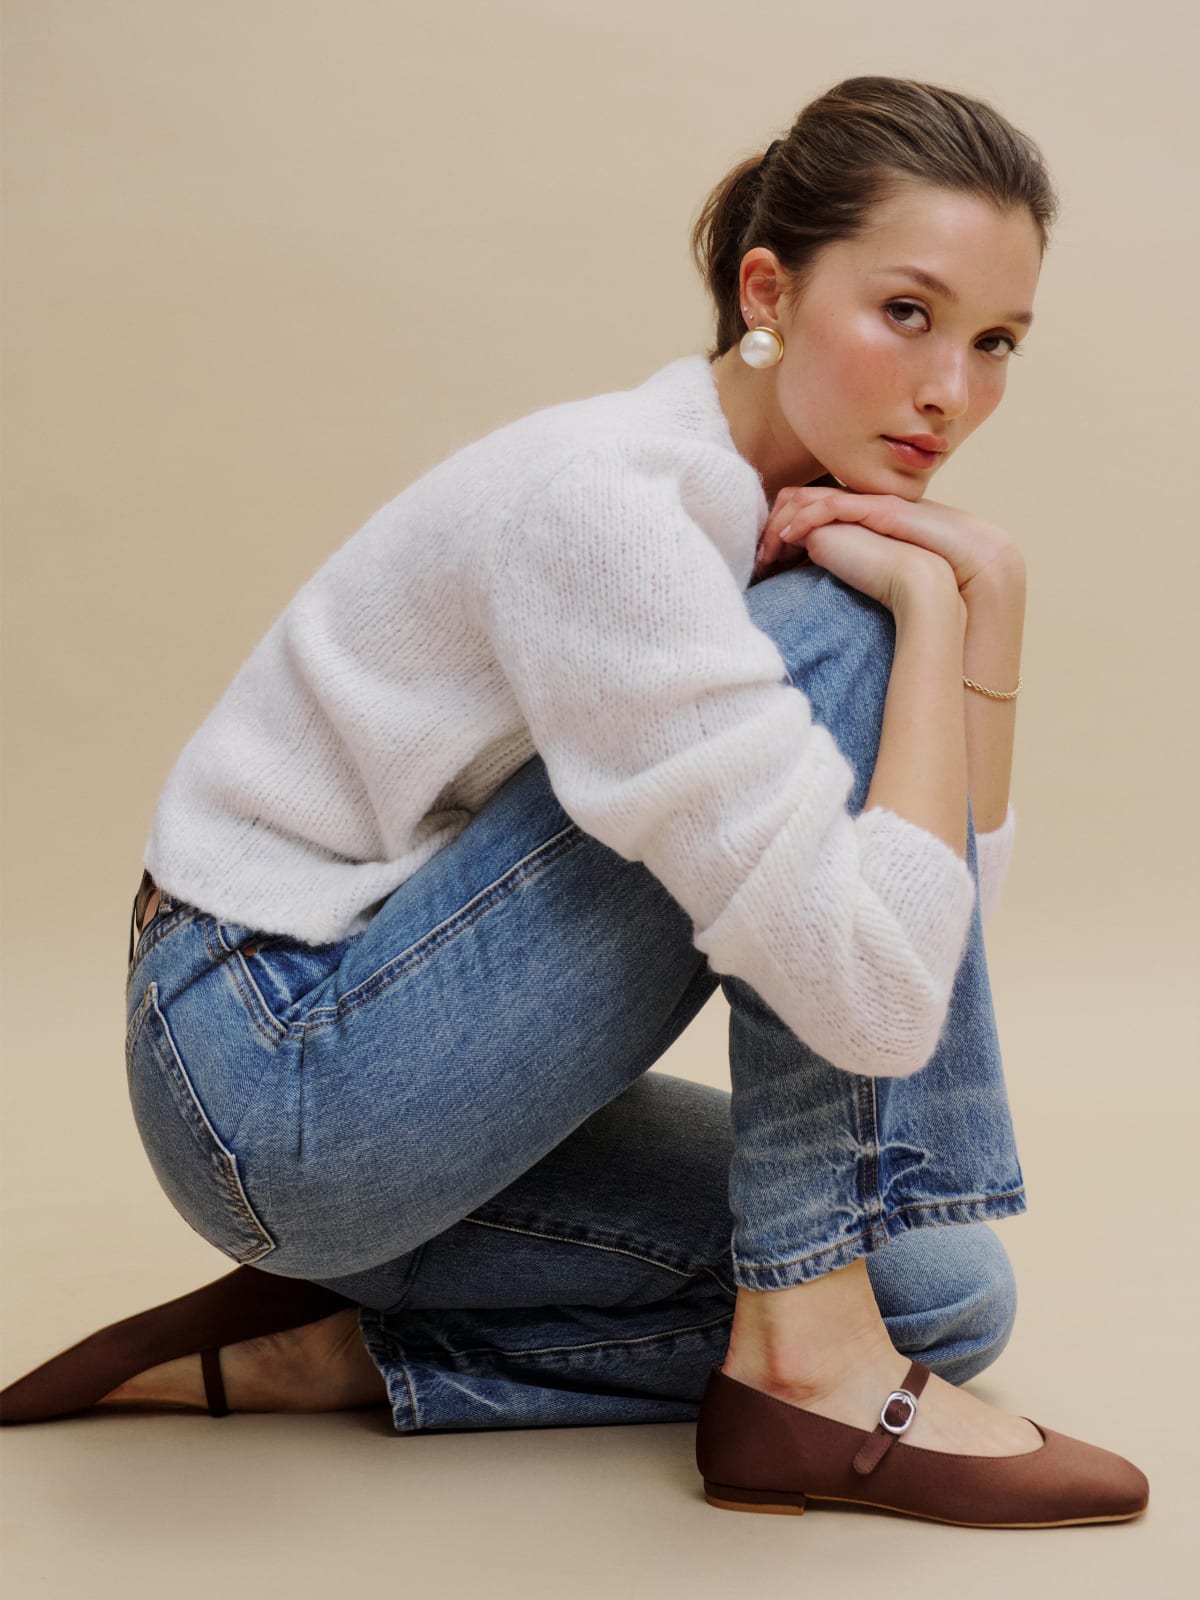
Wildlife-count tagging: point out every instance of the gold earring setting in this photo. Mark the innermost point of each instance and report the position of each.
(760, 347)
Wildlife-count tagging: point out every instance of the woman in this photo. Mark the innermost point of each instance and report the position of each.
(533, 762)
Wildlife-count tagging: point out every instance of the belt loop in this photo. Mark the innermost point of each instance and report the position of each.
(144, 890)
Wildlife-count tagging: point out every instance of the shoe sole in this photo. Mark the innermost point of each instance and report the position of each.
(791, 1503)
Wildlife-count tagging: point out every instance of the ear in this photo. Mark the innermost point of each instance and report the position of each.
(761, 283)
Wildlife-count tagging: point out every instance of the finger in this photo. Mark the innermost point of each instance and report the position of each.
(797, 511)
(815, 513)
(792, 500)
(780, 518)
(803, 524)
(837, 506)
(776, 545)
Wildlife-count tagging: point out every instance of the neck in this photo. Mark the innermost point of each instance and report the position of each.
(757, 426)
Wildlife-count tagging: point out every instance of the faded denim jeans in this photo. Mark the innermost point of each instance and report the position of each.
(451, 1117)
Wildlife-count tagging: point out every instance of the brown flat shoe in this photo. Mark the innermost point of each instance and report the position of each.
(756, 1453)
(245, 1304)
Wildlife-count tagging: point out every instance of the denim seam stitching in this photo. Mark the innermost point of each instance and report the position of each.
(726, 1288)
(869, 1144)
(970, 1200)
(135, 1021)
(154, 932)
(375, 1334)
(263, 1019)
(412, 1395)
(595, 1344)
(912, 1205)
(586, 1244)
(791, 1261)
(618, 1250)
(226, 1161)
(408, 960)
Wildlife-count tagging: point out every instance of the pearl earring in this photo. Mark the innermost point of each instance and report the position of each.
(760, 347)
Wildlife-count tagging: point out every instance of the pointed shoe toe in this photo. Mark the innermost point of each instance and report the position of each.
(757, 1453)
(245, 1304)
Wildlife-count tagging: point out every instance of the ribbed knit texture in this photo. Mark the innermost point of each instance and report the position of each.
(573, 585)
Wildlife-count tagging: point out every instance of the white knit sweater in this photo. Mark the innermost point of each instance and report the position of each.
(573, 585)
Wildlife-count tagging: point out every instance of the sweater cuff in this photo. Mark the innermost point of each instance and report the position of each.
(925, 884)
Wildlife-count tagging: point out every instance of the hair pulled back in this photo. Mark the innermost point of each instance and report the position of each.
(850, 149)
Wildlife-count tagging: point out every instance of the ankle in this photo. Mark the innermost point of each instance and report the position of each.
(809, 1340)
(803, 1374)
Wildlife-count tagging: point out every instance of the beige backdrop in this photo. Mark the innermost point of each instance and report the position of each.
(264, 262)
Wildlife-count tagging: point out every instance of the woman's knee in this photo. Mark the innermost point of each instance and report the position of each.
(837, 645)
(806, 609)
(948, 1296)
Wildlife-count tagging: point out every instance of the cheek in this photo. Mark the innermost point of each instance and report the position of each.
(986, 395)
(845, 378)
(879, 374)
(871, 369)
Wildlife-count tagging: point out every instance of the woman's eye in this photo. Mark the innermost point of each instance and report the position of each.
(1011, 349)
(905, 305)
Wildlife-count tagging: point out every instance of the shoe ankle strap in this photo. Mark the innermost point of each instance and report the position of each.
(214, 1387)
(897, 1416)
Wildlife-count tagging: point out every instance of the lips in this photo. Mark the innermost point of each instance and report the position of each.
(922, 441)
(911, 454)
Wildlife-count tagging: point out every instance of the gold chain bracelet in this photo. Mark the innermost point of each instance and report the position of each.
(996, 694)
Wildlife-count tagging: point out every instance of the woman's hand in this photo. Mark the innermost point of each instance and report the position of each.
(887, 570)
(964, 542)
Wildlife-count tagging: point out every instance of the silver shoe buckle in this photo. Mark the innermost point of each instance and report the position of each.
(910, 1400)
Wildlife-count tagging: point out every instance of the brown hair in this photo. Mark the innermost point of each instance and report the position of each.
(848, 150)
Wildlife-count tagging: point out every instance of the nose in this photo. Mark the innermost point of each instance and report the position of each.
(945, 386)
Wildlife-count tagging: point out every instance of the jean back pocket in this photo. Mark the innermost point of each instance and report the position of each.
(197, 1172)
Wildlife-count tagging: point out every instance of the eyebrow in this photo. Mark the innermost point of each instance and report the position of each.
(928, 281)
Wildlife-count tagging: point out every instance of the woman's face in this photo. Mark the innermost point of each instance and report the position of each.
(872, 351)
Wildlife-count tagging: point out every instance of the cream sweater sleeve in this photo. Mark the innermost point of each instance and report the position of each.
(671, 733)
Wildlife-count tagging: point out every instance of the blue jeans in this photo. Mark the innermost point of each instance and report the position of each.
(450, 1116)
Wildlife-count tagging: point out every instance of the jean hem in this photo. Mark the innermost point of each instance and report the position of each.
(398, 1370)
(386, 1354)
(876, 1235)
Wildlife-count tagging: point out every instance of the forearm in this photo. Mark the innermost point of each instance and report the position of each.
(995, 601)
(920, 768)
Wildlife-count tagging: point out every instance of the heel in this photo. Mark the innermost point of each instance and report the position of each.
(784, 1502)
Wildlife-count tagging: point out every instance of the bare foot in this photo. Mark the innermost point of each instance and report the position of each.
(322, 1366)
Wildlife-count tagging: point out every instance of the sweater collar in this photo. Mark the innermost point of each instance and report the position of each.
(689, 389)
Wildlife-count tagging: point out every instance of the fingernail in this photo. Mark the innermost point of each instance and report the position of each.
(786, 531)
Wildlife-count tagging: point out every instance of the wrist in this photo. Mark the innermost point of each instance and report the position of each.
(931, 601)
(1001, 583)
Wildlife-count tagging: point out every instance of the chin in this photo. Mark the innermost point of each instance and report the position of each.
(905, 487)
(860, 483)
